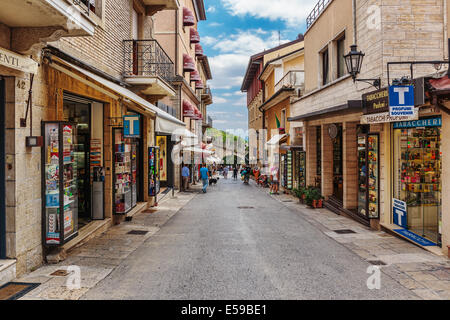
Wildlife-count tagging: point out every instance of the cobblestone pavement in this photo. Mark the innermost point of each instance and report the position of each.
(415, 270)
(423, 272)
(100, 256)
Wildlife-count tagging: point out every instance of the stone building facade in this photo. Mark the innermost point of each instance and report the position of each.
(80, 55)
(393, 31)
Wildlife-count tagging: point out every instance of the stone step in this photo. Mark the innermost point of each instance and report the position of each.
(7, 271)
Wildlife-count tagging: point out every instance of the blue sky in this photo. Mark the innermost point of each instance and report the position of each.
(235, 30)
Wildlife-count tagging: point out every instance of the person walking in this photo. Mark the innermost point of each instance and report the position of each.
(225, 172)
(275, 180)
(235, 173)
(204, 173)
(185, 173)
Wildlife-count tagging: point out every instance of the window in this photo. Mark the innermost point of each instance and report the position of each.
(340, 49)
(325, 67)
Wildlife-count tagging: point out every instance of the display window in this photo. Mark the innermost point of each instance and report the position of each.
(60, 203)
(368, 176)
(126, 172)
(417, 175)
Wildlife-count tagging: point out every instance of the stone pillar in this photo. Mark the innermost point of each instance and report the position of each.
(350, 165)
(311, 155)
(327, 163)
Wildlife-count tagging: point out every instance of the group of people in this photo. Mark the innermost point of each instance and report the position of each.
(205, 174)
(270, 179)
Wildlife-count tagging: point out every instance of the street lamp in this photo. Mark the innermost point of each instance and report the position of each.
(353, 62)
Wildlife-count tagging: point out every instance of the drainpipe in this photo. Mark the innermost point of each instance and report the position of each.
(354, 21)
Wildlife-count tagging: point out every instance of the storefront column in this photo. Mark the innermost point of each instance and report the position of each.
(350, 165)
(445, 149)
(327, 163)
(311, 155)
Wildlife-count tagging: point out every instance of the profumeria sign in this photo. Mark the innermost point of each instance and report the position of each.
(16, 61)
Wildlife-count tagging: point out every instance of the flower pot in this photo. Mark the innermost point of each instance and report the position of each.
(320, 203)
(314, 204)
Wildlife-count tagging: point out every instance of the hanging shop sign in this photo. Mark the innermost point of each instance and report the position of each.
(161, 142)
(386, 117)
(16, 61)
(131, 126)
(430, 122)
(400, 213)
(376, 101)
(401, 101)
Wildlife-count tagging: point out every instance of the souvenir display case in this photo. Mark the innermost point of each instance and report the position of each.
(368, 176)
(153, 171)
(60, 203)
(122, 173)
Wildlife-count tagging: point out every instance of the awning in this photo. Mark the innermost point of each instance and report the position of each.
(197, 150)
(188, 63)
(195, 76)
(188, 17)
(194, 36)
(276, 139)
(199, 85)
(198, 50)
(188, 109)
(163, 119)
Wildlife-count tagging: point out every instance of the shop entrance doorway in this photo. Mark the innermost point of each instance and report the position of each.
(338, 181)
(2, 172)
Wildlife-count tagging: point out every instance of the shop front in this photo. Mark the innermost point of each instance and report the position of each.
(417, 184)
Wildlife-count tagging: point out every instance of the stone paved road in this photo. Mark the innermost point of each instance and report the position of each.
(212, 249)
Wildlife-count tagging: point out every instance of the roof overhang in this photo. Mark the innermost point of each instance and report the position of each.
(251, 73)
(205, 63)
(153, 85)
(350, 106)
(279, 96)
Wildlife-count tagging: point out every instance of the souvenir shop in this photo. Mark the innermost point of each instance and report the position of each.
(73, 172)
(128, 163)
(417, 185)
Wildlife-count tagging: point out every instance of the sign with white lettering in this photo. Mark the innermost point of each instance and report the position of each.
(401, 101)
(429, 122)
(16, 61)
(131, 126)
(385, 117)
(400, 213)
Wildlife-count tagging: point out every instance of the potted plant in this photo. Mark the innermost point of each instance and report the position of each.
(300, 194)
(313, 197)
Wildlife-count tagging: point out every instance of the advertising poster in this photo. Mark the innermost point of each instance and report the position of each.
(161, 142)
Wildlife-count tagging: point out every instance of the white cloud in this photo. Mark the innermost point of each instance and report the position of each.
(293, 12)
(228, 70)
(220, 100)
(248, 42)
(215, 24)
(209, 41)
(211, 9)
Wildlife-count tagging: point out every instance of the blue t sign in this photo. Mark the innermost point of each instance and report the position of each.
(401, 101)
(131, 126)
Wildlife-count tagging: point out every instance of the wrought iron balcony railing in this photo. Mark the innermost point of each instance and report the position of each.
(292, 79)
(315, 13)
(147, 58)
(86, 6)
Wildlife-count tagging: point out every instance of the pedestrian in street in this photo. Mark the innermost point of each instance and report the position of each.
(185, 173)
(235, 173)
(275, 180)
(225, 172)
(204, 173)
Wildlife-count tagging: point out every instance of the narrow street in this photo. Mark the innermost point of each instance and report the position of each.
(217, 247)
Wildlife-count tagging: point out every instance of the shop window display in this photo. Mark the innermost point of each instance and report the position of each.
(417, 176)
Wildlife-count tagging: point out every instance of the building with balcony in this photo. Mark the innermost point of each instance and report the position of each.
(77, 69)
(272, 80)
(355, 151)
